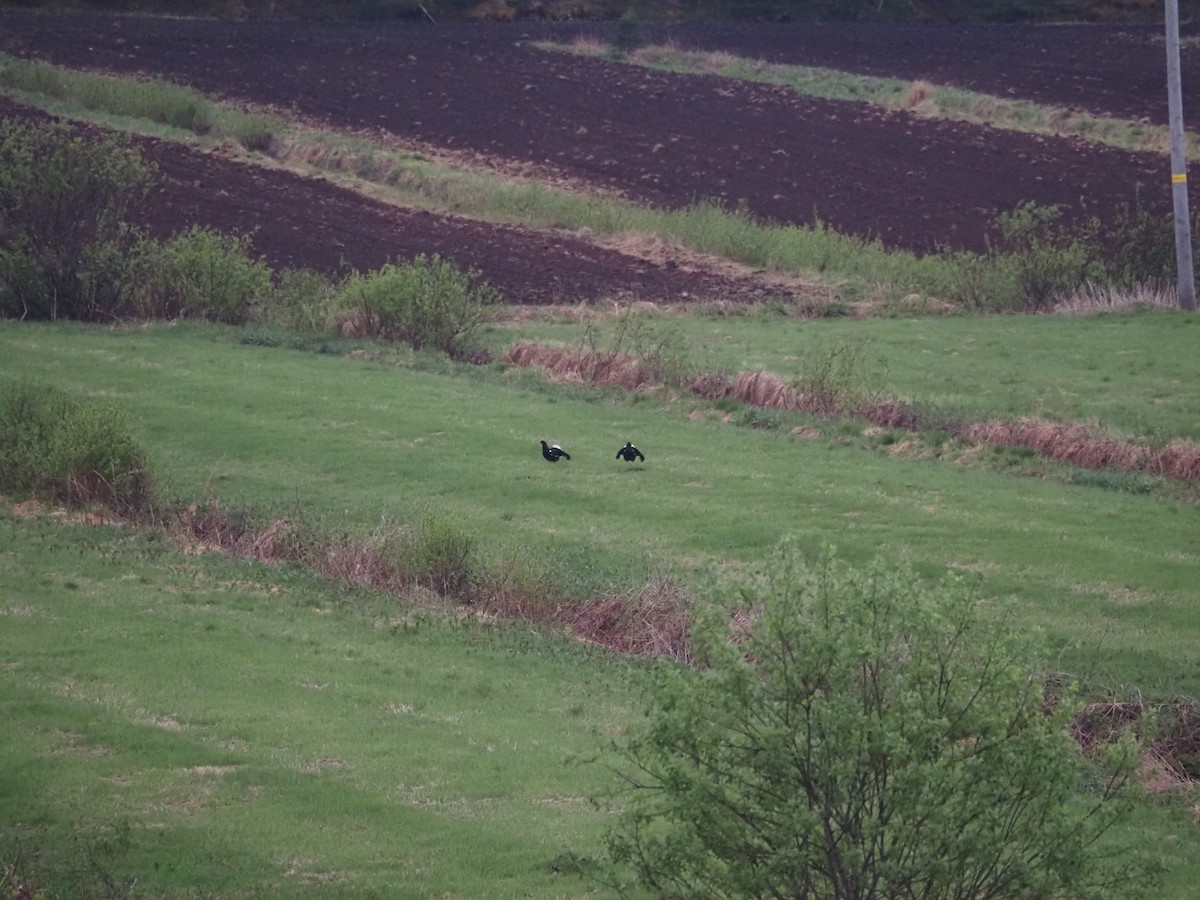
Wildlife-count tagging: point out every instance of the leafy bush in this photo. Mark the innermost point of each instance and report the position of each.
(441, 555)
(1047, 258)
(200, 273)
(426, 302)
(302, 301)
(51, 444)
(63, 237)
(861, 734)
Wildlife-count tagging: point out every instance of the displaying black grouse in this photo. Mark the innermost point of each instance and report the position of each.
(629, 453)
(554, 453)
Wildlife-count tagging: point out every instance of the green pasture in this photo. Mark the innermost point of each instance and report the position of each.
(359, 441)
(219, 727)
(1129, 374)
(183, 726)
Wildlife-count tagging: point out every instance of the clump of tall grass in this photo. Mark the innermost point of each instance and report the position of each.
(76, 452)
(1091, 298)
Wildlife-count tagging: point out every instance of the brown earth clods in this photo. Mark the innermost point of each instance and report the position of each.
(670, 140)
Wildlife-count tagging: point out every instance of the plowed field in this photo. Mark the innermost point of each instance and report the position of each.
(663, 139)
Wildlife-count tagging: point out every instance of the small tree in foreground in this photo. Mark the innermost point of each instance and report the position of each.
(863, 735)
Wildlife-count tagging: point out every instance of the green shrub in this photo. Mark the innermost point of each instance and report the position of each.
(443, 555)
(56, 446)
(1048, 259)
(302, 301)
(426, 302)
(63, 237)
(862, 734)
(200, 273)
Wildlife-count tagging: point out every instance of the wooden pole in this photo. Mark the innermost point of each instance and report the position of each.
(1185, 278)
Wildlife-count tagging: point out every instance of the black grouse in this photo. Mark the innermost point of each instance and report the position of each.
(629, 453)
(555, 453)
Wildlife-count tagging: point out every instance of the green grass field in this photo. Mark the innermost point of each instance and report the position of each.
(218, 727)
(222, 727)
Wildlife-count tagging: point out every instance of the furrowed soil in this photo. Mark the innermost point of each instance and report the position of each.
(483, 92)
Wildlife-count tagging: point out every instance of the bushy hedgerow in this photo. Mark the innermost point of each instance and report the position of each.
(54, 445)
(1037, 259)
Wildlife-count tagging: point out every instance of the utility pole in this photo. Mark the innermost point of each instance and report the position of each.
(1186, 285)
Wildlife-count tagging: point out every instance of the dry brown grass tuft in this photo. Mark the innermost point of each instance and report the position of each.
(1082, 446)
(586, 366)
(1097, 298)
(651, 621)
(919, 97)
(888, 414)
(764, 390)
(1178, 460)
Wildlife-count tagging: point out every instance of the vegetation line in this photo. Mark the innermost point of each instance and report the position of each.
(828, 392)
(918, 97)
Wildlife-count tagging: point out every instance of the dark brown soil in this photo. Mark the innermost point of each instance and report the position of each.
(1105, 70)
(667, 139)
(302, 222)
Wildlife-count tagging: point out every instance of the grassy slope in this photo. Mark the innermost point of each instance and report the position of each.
(1127, 373)
(357, 441)
(216, 727)
(258, 732)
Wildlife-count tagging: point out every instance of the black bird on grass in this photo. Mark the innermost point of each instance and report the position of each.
(554, 453)
(629, 453)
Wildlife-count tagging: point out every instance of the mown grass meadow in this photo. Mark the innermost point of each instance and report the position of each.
(218, 726)
(204, 727)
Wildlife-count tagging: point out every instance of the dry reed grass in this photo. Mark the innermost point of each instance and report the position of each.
(1093, 298)
(651, 621)
(583, 366)
(920, 95)
(1080, 445)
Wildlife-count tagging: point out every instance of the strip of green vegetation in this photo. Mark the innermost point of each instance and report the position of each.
(1127, 373)
(921, 98)
(357, 442)
(864, 267)
(149, 99)
(204, 725)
